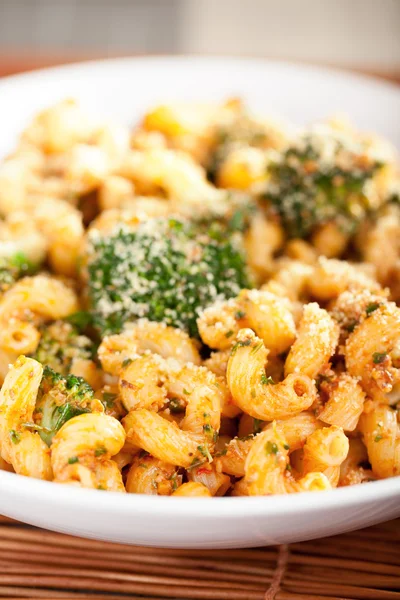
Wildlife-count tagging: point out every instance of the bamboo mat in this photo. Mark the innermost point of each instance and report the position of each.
(40, 564)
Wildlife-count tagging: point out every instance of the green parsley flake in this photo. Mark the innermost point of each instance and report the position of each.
(100, 451)
(372, 307)
(204, 451)
(256, 348)
(266, 380)
(210, 432)
(271, 448)
(176, 405)
(379, 357)
(108, 399)
(15, 437)
(240, 344)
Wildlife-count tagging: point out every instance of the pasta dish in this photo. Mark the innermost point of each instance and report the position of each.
(205, 304)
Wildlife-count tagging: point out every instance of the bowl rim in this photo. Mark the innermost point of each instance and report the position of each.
(176, 59)
(224, 507)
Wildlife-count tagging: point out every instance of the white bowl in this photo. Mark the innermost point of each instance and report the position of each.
(197, 522)
(124, 89)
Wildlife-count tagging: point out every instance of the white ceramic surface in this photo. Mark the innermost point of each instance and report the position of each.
(123, 89)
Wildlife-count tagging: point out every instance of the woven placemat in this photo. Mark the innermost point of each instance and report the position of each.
(40, 564)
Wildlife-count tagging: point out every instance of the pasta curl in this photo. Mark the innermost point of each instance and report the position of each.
(254, 393)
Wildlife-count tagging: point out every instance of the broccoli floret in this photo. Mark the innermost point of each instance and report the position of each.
(60, 344)
(165, 270)
(14, 267)
(59, 399)
(322, 177)
(243, 131)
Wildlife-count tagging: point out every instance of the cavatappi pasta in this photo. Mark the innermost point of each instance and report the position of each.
(204, 305)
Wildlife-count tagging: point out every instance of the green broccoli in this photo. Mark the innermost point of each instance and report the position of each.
(14, 267)
(60, 344)
(322, 177)
(59, 399)
(243, 131)
(165, 270)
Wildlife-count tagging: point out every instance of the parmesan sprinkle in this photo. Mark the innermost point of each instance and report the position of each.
(165, 270)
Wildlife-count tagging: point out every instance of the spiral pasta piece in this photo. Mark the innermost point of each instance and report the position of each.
(317, 338)
(19, 446)
(44, 296)
(137, 338)
(86, 441)
(149, 475)
(268, 315)
(380, 429)
(254, 393)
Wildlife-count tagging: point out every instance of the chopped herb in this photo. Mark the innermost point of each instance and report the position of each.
(222, 452)
(176, 405)
(66, 412)
(271, 448)
(204, 451)
(372, 307)
(378, 437)
(351, 326)
(210, 432)
(108, 399)
(100, 451)
(266, 380)
(245, 438)
(379, 357)
(15, 437)
(174, 481)
(126, 362)
(229, 333)
(256, 348)
(35, 427)
(288, 468)
(240, 314)
(186, 392)
(72, 460)
(240, 344)
(196, 462)
(286, 446)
